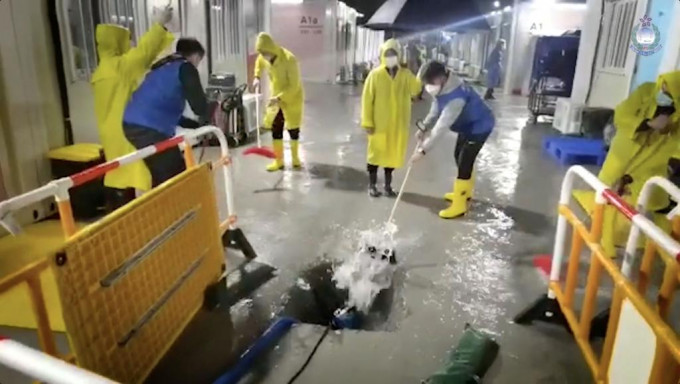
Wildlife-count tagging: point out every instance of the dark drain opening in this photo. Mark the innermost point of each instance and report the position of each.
(319, 298)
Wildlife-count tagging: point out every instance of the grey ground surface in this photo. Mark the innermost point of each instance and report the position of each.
(473, 270)
(477, 269)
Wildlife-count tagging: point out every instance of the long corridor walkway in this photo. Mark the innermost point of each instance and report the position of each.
(475, 269)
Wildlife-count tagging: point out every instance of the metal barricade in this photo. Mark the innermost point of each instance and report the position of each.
(59, 189)
(44, 367)
(633, 326)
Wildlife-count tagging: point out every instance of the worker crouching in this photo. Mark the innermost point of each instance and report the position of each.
(459, 108)
(647, 135)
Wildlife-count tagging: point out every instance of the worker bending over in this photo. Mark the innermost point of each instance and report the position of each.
(155, 109)
(285, 105)
(386, 115)
(459, 108)
(120, 70)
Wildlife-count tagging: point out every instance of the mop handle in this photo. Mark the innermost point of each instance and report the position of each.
(401, 191)
(403, 184)
(257, 117)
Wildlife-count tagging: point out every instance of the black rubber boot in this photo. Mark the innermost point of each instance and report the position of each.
(389, 192)
(373, 191)
(116, 198)
(373, 180)
(489, 94)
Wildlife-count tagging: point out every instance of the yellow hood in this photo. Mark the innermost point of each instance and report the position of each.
(390, 44)
(672, 81)
(112, 40)
(265, 44)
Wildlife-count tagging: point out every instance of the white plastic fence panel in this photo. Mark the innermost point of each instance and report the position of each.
(634, 348)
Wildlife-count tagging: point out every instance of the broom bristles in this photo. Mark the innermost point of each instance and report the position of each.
(260, 151)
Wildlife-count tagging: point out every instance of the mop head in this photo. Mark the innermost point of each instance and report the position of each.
(367, 271)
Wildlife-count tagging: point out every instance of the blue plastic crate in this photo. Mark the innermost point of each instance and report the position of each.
(575, 150)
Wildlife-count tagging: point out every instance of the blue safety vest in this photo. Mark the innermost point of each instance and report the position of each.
(476, 119)
(159, 102)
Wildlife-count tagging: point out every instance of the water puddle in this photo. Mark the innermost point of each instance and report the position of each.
(363, 279)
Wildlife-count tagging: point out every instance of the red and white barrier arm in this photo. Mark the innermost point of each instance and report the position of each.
(603, 195)
(43, 367)
(59, 188)
(633, 238)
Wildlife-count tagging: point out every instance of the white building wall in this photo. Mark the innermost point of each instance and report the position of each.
(671, 55)
(30, 104)
(586, 51)
(611, 81)
(537, 19)
(307, 29)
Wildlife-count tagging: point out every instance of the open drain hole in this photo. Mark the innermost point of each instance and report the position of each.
(317, 298)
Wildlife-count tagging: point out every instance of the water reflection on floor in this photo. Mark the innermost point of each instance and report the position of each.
(471, 270)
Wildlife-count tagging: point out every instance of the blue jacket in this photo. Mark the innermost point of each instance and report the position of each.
(159, 102)
(476, 118)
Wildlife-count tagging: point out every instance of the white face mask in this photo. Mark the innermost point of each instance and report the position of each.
(433, 89)
(391, 61)
(663, 99)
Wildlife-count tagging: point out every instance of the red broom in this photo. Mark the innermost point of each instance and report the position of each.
(259, 150)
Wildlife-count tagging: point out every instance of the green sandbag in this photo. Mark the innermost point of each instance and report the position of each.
(469, 361)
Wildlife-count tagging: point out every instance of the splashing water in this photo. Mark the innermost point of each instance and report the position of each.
(367, 271)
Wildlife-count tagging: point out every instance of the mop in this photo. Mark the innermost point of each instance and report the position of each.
(389, 254)
(259, 150)
(365, 274)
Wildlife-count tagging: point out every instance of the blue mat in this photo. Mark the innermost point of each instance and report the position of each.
(575, 150)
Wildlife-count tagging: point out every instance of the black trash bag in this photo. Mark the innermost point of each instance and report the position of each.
(469, 361)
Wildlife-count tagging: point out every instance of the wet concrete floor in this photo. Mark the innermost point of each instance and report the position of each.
(476, 269)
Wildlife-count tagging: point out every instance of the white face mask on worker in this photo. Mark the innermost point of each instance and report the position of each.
(433, 89)
(391, 61)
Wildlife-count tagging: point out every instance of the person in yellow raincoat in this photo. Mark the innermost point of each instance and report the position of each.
(120, 71)
(647, 136)
(285, 105)
(386, 114)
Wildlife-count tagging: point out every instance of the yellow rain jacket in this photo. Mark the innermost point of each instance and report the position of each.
(386, 107)
(120, 71)
(639, 154)
(286, 84)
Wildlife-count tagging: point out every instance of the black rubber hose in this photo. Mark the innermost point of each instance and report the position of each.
(311, 355)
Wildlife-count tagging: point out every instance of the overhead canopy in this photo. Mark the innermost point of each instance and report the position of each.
(424, 15)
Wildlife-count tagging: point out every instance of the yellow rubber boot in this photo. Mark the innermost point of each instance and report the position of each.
(294, 145)
(451, 195)
(458, 207)
(277, 164)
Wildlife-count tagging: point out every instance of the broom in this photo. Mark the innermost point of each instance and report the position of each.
(259, 150)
